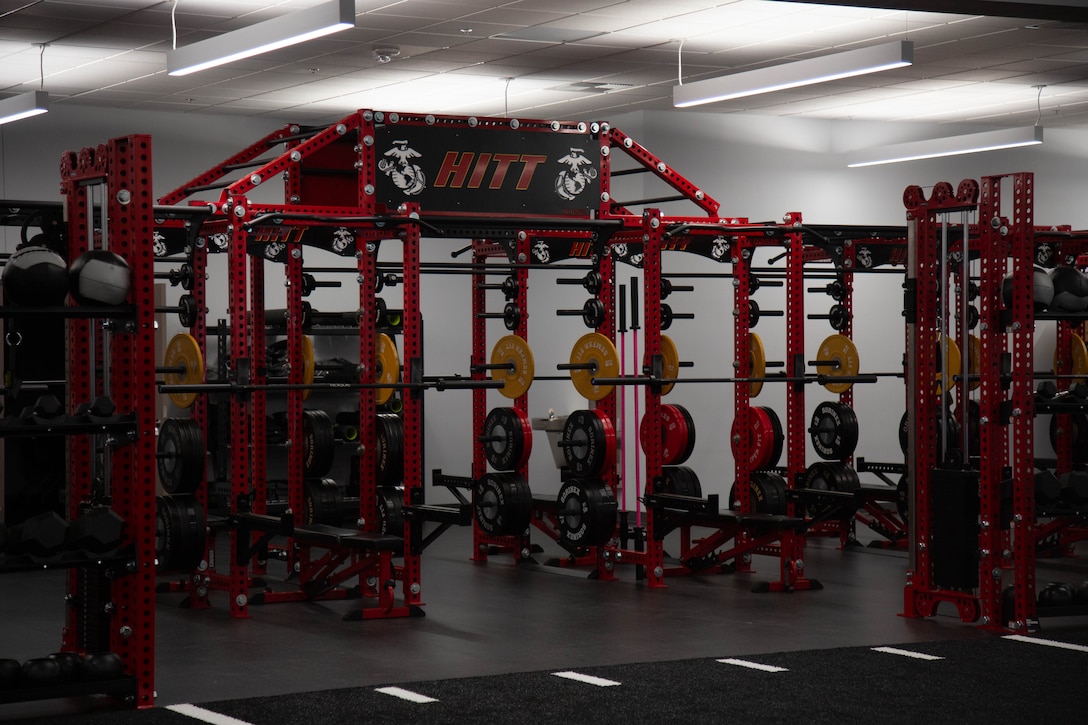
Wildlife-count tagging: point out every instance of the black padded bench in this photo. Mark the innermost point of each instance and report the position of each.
(330, 536)
(321, 534)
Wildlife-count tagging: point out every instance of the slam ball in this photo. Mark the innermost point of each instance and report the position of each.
(1042, 290)
(99, 277)
(36, 277)
(1070, 288)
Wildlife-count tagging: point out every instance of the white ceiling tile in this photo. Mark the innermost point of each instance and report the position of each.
(114, 52)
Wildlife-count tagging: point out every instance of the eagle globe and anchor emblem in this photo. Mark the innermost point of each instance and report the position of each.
(399, 166)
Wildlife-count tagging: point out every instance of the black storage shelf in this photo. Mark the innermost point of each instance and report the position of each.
(65, 426)
(120, 687)
(12, 563)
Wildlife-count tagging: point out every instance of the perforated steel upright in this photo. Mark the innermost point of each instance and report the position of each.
(122, 169)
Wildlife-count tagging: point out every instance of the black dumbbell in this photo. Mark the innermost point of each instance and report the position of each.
(97, 531)
(41, 671)
(99, 410)
(47, 410)
(1056, 594)
(103, 666)
(1047, 488)
(1074, 487)
(42, 535)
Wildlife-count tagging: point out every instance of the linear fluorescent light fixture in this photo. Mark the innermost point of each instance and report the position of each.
(289, 29)
(972, 143)
(23, 106)
(849, 63)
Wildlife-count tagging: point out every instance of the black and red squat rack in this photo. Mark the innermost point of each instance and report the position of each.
(975, 528)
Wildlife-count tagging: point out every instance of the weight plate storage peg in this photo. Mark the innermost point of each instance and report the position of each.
(516, 366)
(594, 356)
(834, 431)
(180, 456)
(388, 367)
(588, 441)
(677, 433)
(185, 366)
(837, 358)
(503, 504)
(587, 512)
(318, 443)
(507, 438)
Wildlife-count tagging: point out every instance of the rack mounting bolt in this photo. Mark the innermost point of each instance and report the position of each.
(659, 572)
(124, 196)
(125, 631)
(368, 190)
(415, 588)
(241, 600)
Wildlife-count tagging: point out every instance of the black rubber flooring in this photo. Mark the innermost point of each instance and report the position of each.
(996, 679)
(512, 627)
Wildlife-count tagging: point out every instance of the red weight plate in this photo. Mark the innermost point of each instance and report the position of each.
(609, 440)
(761, 440)
(674, 434)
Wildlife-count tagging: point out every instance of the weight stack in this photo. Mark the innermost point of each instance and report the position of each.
(94, 625)
(955, 505)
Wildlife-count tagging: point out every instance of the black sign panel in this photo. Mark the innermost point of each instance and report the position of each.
(488, 171)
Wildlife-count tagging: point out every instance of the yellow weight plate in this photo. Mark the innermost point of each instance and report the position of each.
(953, 361)
(841, 350)
(183, 351)
(597, 349)
(757, 364)
(1078, 365)
(974, 359)
(307, 364)
(671, 368)
(513, 350)
(388, 371)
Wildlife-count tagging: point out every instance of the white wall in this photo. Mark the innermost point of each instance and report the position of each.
(757, 167)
